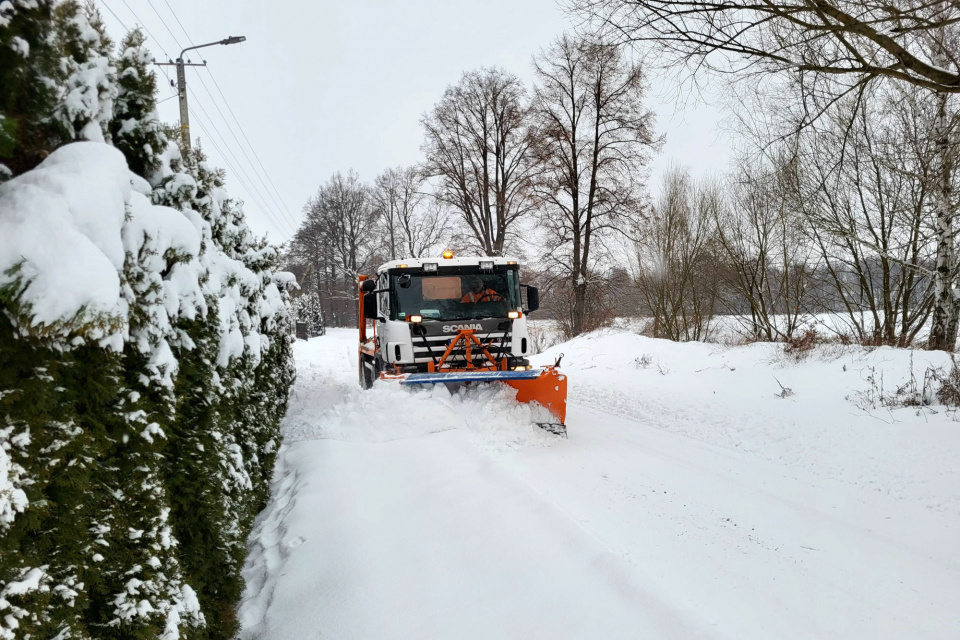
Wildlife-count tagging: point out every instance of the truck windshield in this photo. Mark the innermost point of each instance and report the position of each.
(461, 295)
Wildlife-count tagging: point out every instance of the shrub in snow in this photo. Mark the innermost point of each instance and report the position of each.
(938, 386)
(307, 309)
(30, 77)
(144, 368)
(949, 392)
(232, 400)
(89, 88)
(135, 128)
(144, 349)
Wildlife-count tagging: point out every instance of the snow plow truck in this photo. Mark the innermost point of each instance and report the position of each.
(455, 321)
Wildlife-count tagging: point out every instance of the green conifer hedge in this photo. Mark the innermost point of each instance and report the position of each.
(136, 442)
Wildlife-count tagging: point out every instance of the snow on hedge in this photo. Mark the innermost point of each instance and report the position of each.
(70, 227)
(83, 244)
(12, 498)
(63, 249)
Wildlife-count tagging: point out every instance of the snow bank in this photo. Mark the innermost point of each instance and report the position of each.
(732, 397)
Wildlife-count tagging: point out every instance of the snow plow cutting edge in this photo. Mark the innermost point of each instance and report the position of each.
(547, 387)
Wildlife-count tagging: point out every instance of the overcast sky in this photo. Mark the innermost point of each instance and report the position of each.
(332, 85)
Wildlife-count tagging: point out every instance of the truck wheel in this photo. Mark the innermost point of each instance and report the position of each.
(368, 372)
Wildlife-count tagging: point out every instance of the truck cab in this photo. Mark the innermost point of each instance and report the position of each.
(418, 307)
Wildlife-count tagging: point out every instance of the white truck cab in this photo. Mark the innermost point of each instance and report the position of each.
(420, 305)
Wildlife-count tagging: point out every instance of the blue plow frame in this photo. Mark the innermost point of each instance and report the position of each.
(471, 376)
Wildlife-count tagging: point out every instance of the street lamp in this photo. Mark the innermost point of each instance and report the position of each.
(182, 82)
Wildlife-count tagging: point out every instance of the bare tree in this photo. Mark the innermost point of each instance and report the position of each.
(592, 137)
(309, 249)
(337, 239)
(946, 299)
(477, 146)
(343, 206)
(866, 184)
(855, 41)
(388, 199)
(411, 220)
(425, 228)
(768, 261)
(676, 258)
(833, 49)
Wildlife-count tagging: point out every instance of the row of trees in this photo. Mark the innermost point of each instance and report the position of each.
(350, 227)
(852, 119)
(565, 158)
(136, 441)
(841, 201)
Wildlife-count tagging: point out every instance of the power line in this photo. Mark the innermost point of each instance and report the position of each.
(244, 151)
(171, 35)
(177, 18)
(281, 205)
(139, 25)
(149, 33)
(227, 145)
(242, 133)
(261, 200)
(113, 13)
(281, 217)
(164, 23)
(270, 218)
(254, 197)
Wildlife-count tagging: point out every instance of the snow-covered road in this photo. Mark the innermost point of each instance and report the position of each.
(400, 514)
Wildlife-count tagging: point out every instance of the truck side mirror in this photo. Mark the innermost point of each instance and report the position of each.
(368, 285)
(533, 298)
(369, 305)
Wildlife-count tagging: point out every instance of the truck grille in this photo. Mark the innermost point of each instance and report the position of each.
(438, 344)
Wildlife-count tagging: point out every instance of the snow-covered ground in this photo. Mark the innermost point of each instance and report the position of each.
(691, 500)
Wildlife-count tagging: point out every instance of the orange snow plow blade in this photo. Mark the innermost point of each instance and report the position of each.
(549, 390)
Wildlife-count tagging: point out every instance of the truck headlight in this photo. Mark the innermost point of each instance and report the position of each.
(513, 315)
(486, 265)
(429, 267)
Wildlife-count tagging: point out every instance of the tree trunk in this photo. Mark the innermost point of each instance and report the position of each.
(943, 327)
(322, 329)
(579, 304)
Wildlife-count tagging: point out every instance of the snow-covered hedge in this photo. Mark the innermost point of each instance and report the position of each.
(144, 368)
(144, 349)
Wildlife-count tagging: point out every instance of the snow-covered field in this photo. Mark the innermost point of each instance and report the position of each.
(691, 500)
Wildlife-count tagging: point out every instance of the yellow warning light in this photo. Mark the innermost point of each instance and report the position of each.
(448, 254)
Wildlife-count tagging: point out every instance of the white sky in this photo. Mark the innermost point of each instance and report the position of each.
(331, 85)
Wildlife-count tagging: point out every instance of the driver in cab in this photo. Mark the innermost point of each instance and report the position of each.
(479, 292)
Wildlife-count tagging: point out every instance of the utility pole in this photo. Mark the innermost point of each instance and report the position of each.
(184, 112)
(182, 83)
